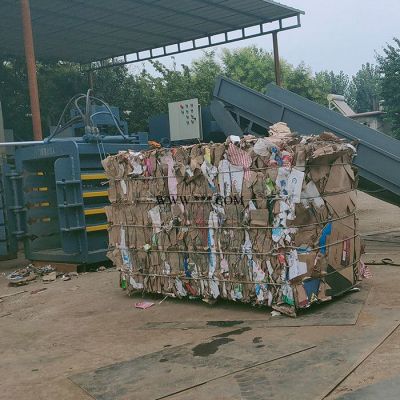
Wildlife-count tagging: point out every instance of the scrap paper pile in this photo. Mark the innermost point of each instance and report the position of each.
(268, 221)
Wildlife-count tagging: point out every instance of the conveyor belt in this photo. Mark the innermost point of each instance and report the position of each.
(237, 108)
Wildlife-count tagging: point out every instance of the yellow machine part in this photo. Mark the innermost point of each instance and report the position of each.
(95, 228)
(100, 193)
(95, 211)
(93, 177)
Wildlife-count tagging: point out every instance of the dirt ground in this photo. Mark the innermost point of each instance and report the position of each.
(52, 340)
(376, 215)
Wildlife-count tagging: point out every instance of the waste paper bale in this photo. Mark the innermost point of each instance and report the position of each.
(268, 220)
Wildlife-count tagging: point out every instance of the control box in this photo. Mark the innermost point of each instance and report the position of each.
(185, 120)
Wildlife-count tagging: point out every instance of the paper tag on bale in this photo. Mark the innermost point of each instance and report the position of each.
(134, 284)
(311, 194)
(290, 182)
(123, 187)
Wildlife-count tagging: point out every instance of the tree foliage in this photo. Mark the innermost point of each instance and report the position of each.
(364, 90)
(389, 64)
(327, 82)
(300, 80)
(251, 66)
(142, 94)
(14, 97)
(57, 82)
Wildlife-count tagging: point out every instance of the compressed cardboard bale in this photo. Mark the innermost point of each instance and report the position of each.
(261, 220)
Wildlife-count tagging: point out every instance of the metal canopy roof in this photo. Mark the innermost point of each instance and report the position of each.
(85, 31)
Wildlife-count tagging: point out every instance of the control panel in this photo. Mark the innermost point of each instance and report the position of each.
(185, 120)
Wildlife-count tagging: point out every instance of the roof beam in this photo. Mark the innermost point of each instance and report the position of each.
(137, 57)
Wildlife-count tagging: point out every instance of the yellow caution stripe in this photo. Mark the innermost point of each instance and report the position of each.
(94, 211)
(42, 204)
(100, 193)
(93, 177)
(95, 228)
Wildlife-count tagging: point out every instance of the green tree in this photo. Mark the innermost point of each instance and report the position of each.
(119, 88)
(57, 83)
(251, 66)
(328, 82)
(254, 67)
(204, 72)
(14, 98)
(151, 94)
(300, 80)
(142, 101)
(389, 64)
(142, 94)
(365, 88)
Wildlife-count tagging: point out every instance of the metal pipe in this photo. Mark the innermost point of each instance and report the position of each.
(2, 132)
(90, 79)
(6, 144)
(31, 69)
(276, 59)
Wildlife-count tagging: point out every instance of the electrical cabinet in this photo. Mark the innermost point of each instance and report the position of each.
(185, 120)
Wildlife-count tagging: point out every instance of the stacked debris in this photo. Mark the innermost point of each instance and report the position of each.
(23, 276)
(267, 220)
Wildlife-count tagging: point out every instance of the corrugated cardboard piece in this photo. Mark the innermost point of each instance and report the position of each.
(261, 220)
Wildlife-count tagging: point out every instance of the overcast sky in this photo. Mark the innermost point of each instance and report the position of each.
(335, 34)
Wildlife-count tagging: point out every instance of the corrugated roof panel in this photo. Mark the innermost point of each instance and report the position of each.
(89, 30)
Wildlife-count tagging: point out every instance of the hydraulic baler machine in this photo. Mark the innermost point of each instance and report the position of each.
(59, 189)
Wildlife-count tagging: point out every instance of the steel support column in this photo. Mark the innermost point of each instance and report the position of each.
(276, 59)
(31, 69)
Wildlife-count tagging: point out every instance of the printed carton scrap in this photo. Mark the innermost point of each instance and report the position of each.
(269, 221)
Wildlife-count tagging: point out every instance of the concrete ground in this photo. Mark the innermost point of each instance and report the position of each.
(84, 339)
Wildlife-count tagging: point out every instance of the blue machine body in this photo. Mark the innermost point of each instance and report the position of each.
(8, 243)
(64, 192)
(53, 195)
(102, 119)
